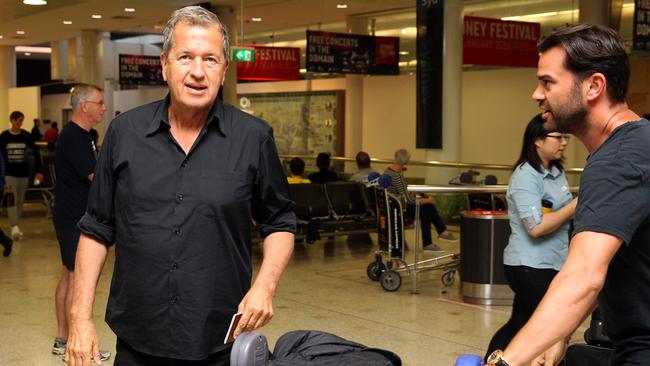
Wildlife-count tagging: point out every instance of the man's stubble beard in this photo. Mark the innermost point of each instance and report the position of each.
(573, 117)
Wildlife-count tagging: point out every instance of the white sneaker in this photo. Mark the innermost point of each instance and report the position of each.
(16, 233)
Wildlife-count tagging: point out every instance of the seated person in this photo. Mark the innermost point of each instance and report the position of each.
(297, 167)
(363, 166)
(324, 174)
(428, 211)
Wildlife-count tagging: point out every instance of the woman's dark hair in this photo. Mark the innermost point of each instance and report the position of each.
(534, 130)
(297, 166)
(323, 161)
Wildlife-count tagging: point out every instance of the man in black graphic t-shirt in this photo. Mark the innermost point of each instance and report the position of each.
(14, 144)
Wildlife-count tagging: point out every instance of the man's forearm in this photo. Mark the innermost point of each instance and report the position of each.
(91, 255)
(571, 296)
(561, 311)
(277, 252)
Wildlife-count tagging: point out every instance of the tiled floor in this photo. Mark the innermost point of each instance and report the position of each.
(325, 288)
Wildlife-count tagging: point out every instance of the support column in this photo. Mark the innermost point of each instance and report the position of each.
(354, 99)
(91, 55)
(229, 19)
(72, 59)
(7, 80)
(594, 12)
(452, 82)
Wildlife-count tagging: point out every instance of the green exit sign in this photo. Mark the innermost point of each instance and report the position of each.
(243, 54)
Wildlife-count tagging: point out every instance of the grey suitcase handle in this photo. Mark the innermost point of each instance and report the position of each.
(250, 349)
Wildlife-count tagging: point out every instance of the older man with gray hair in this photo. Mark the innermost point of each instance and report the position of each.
(76, 156)
(182, 225)
(428, 212)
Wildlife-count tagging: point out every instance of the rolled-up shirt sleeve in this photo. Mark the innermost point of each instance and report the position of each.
(272, 207)
(526, 191)
(99, 218)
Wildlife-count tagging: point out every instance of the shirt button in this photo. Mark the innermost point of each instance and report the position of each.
(184, 165)
(177, 231)
(173, 300)
(175, 266)
(180, 197)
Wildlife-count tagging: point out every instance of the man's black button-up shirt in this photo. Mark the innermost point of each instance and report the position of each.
(182, 224)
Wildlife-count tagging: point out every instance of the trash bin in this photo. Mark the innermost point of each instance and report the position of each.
(483, 236)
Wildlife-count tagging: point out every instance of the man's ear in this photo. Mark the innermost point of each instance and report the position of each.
(595, 86)
(163, 62)
(223, 79)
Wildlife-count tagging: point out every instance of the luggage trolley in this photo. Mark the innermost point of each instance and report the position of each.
(390, 234)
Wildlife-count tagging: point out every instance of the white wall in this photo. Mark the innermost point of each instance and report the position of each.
(497, 105)
(26, 100)
(389, 118)
(52, 106)
(123, 100)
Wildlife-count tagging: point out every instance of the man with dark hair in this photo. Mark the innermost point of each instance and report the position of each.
(363, 168)
(36, 130)
(324, 174)
(182, 225)
(76, 157)
(14, 143)
(583, 77)
(297, 168)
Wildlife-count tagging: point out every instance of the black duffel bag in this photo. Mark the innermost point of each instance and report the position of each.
(308, 348)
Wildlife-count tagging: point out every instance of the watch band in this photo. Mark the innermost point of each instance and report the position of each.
(496, 359)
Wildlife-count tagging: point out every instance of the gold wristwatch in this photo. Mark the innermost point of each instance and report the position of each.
(496, 359)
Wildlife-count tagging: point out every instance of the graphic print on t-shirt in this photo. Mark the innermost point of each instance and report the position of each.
(16, 152)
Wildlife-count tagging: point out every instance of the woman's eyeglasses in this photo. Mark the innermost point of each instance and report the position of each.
(562, 136)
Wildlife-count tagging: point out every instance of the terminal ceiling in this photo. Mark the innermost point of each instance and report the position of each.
(283, 21)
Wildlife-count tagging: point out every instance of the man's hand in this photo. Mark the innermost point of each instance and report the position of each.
(551, 356)
(83, 344)
(38, 178)
(256, 309)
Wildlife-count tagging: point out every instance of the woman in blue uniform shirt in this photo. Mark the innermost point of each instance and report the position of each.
(540, 207)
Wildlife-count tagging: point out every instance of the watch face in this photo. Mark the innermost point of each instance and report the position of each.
(494, 357)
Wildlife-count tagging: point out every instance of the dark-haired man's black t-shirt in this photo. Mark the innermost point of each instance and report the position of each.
(75, 160)
(615, 199)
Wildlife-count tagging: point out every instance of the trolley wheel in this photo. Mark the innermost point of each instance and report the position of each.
(448, 278)
(375, 270)
(390, 280)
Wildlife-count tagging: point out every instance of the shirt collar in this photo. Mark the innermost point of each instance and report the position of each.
(554, 172)
(160, 116)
